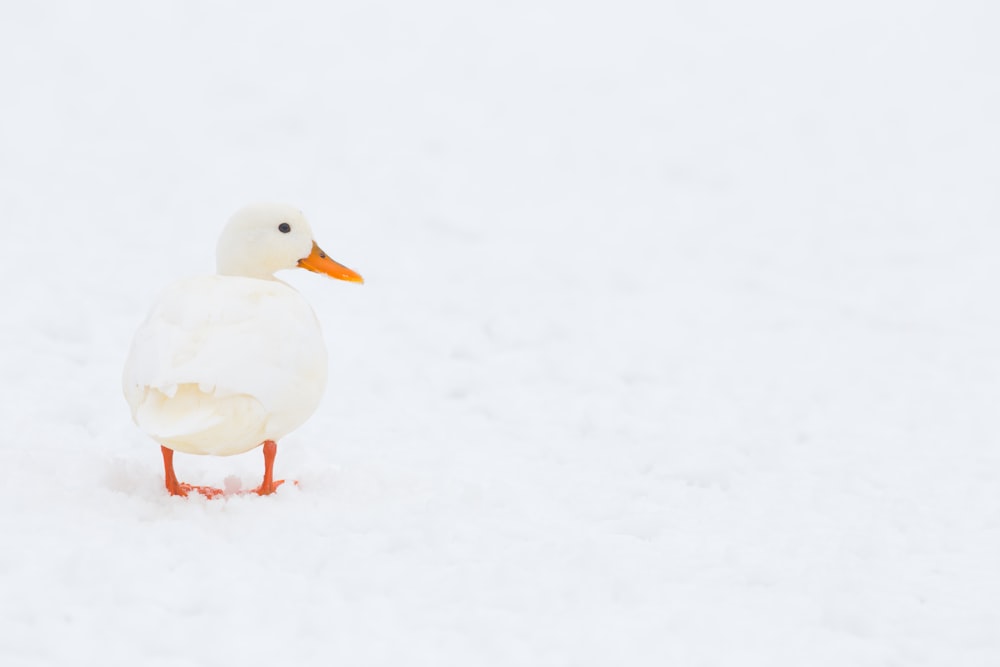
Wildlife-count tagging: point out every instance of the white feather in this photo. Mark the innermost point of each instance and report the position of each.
(223, 363)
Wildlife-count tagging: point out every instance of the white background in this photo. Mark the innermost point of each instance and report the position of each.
(679, 343)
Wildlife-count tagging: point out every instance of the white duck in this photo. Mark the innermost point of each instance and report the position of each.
(229, 362)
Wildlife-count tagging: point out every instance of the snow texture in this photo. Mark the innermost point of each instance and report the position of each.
(678, 345)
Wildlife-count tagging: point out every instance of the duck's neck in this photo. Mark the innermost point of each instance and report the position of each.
(243, 270)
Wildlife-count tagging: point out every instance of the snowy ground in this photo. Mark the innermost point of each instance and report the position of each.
(679, 343)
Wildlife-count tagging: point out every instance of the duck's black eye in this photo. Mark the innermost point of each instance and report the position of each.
(284, 228)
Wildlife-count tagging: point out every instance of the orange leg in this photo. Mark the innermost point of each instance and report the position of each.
(169, 478)
(268, 486)
(180, 488)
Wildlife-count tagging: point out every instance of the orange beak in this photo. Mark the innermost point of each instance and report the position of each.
(318, 262)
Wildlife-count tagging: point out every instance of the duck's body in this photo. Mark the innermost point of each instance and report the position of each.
(226, 363)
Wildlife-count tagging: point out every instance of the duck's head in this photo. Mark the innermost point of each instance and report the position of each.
(263, 238)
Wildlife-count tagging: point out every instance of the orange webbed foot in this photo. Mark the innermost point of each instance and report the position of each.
(209, 492)
(266, 491)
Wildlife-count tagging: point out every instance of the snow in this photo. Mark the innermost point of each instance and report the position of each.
(677, 344)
